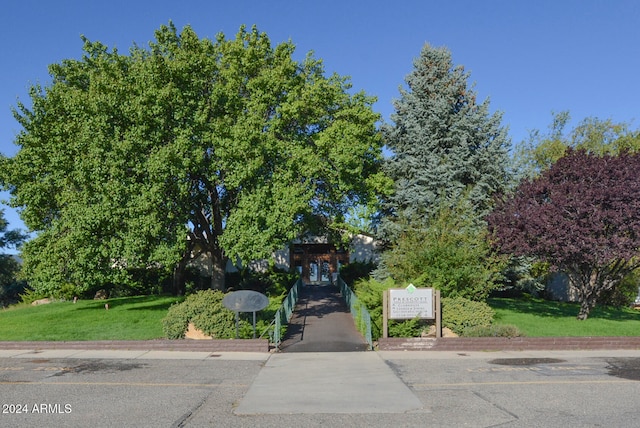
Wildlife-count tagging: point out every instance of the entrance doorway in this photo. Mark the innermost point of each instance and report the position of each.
(317, 262)
(313, 272)
(324, 272)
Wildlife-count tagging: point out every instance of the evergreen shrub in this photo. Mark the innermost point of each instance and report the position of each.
(29, 295)
(501, 330)
(205, 310)
(369, 292)
(406, 328)
(459, 314)
(10, 293)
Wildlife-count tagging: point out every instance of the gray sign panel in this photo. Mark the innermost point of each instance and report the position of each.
(245, 301)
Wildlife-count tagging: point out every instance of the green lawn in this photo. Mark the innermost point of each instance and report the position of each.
(539, 318)
(128, 318)
(140, 318)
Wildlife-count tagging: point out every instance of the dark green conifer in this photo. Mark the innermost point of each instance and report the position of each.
(445, 145)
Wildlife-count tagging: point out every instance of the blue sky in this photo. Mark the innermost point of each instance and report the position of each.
(529, 57)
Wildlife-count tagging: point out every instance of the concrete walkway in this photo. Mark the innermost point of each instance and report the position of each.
(327, 383)
(318, 370)
(322, 322)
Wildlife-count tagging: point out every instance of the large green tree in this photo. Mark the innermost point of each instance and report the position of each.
(592, 134)
(227, 147)
(445, 145)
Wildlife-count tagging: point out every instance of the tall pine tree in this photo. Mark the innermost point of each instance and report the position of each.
(445, 145)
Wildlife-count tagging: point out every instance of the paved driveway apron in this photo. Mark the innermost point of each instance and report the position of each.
(327, 383)
(328, 377)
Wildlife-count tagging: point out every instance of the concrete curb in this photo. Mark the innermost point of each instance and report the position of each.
(461, 344)
(212, 345)
(507, 344)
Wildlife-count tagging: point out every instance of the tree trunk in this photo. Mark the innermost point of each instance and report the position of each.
(585, 308)
(593, 288)
(218, 267)
(586, 285)
(590, 291)
(179, 275)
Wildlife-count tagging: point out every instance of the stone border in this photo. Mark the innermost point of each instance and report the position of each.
(213, 345)
(507, 344)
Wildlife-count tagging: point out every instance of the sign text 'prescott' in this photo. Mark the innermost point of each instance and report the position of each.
(411, 303)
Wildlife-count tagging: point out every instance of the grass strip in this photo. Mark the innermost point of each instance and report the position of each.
(543, 318)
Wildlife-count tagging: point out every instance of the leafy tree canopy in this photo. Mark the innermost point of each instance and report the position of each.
(227, 147)
(445, 144)
(596, 136)
(451, 253)
(582, 216)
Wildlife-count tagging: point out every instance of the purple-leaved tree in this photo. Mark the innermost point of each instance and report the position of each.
(582, 216)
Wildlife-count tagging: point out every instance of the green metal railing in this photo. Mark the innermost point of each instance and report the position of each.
(283, 316)
(359, 311)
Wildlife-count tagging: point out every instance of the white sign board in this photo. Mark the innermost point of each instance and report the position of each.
(411, 302)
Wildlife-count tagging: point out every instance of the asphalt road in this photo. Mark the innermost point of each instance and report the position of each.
(439, 389)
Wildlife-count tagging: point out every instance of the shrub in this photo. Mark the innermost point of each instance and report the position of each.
(369, 292)
(67, 291)
(205, 310)
(623, 294)
(272, 282)
(10, 285)
(11, 293)
(29, 295)
(406, 328)
(492, 331)
(451, 253)
(524, 275)
(355, 271)
(145, 281)
(459, 314)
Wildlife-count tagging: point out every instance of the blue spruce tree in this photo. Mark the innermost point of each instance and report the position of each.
(445, 146)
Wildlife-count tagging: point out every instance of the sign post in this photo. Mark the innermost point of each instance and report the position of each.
(411, 302)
